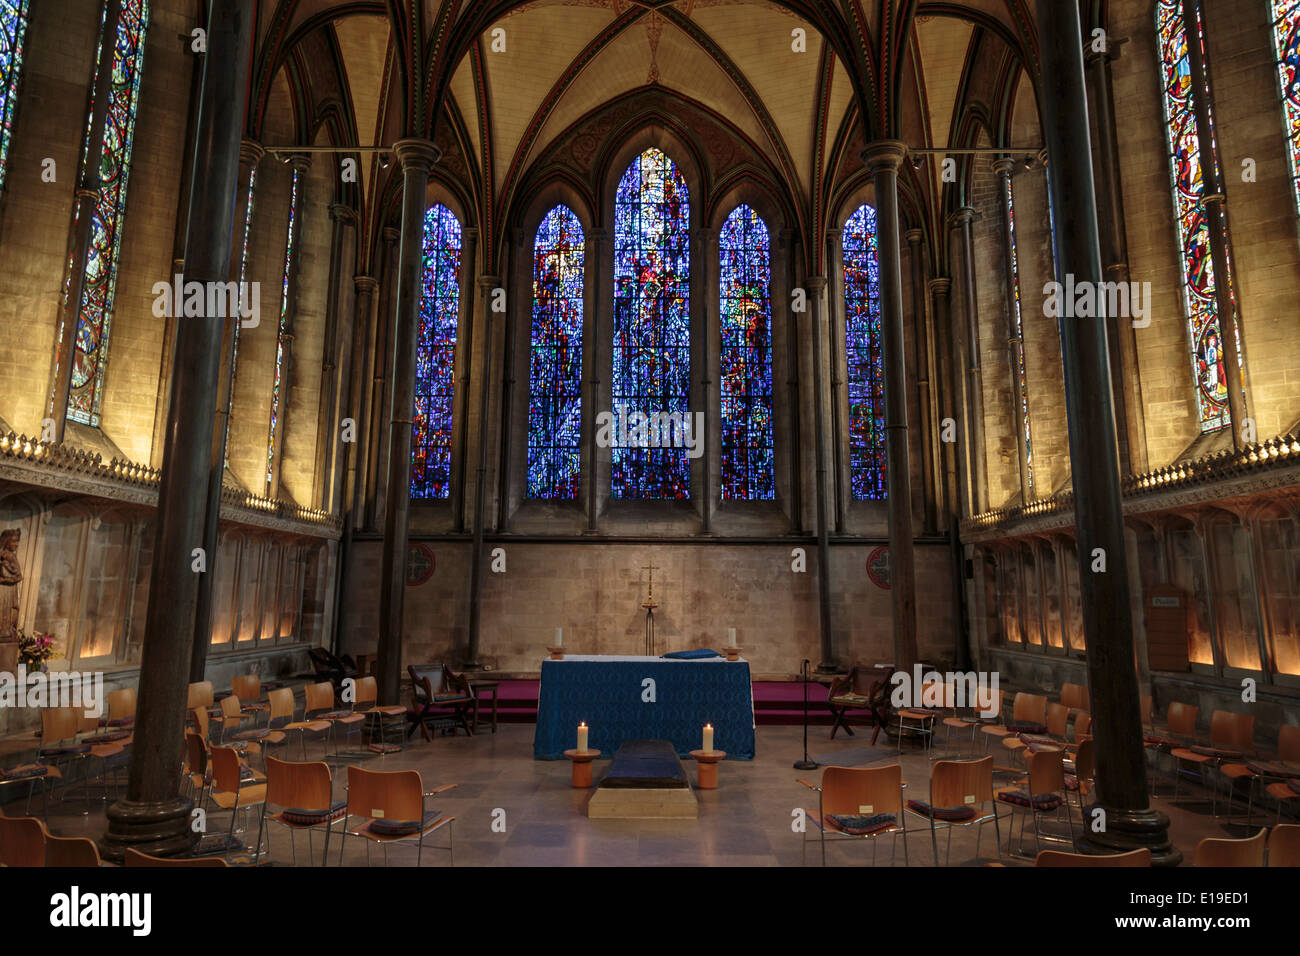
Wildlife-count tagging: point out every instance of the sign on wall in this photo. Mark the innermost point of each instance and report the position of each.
(878, 567)
(419, 564)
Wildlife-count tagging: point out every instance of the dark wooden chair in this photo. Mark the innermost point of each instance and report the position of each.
(441, 699)
(331, 668)
(858, 692)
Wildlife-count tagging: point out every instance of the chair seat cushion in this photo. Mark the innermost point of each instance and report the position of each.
(862, 824)
(1040, 802)
(1267, 768)
(1216, 752)
(1156, 740)
(402, 827)
(1071, 783)
(851, 700)
(916, 713)
(1036, 744)
(450, 698)
(122, 722)
(108, 738)
(310, 818)
(248, 708)
(332, 715)
(71, 751)
(24, 771)
(1023, 728)
(251, 734)
(1294, 784)
(953, 814)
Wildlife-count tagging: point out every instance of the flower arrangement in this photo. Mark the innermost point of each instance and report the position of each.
(35, 649)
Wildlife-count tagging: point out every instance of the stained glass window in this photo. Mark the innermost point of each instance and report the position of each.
(1185, 144)
(864, 356)
(1286, 41)
(113, 155)
(277, 389)
(555, 358)
(748, 471)
(13, 28)
(435, 356)
(652, 331)
(1022, 382)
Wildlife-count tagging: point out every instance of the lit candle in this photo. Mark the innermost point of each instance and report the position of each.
(708, 738)
(582, 737)
(559, 637)
(731, 637)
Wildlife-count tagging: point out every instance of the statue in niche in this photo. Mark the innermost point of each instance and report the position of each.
(11, 574)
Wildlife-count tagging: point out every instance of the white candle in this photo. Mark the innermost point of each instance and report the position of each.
(559, 637)
(731, 637)
(582, 737)
(708, 738)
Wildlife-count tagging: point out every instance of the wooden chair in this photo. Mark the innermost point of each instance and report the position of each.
(1028, 715)
(439, 697)
(1082, 727)
(136, 858)
(31, 774)
(366, 705)
(230, 717)
(317, 707)
(864, 792)
(1044, 792)
(1074, 697)
(392, 807)
(959, 792)
(248, 688)
(1213, 851)
(303, 791)
(1081, 773)
(121, 708)
(279, 714)
(1180, 731)
(1284, 845)
(228, 791)
(1140, 857)
(1273, 774)
(1057, 721)
(845, 695)
(1232, 736)
(972, 720)
(920, 720)
(71, 852)
(200, 694)
(333, 669)
(195, 770)
(60, 729)
(22, 841)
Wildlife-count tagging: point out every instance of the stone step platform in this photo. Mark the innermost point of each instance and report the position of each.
(645, 781)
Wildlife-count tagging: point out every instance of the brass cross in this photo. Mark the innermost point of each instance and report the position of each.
(650, 593)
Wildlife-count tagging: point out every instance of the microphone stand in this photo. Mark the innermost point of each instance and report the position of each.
(805, 763)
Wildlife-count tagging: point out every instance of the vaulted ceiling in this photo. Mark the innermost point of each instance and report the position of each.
(494, 82)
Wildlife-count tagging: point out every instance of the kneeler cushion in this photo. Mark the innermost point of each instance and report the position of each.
(1039, 801)
(1215, 752)
(1269, 769)
(313, 817)
(1294, 784)
(1023, 728)
(861, 824)
(24, 771)
(953, 814)
(695, 655)
(402, 827)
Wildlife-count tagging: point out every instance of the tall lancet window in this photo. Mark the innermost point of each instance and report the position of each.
(435, 356)
(1286, 42)
(13, 31)
(555, 358)
(1022, 381)
(94, 313)
(864, 356)
(1189, 147)
(652, 331)
(748, 470)
(278, 391)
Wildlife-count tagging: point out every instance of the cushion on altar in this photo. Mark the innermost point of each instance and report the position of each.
(310, 818)
(953, 814)
(402, 827)
(1040, 801)
(24, 771)
(1269, 769)
(1024, 728)
(862, 824)
(698, 654)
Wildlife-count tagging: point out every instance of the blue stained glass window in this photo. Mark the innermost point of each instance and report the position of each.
(862, 345)
(95, 311)
(652, 330)
(13, 30)
(555, 358)
(1022, 381)
(435, 356)
(277, 391)
(748, 470)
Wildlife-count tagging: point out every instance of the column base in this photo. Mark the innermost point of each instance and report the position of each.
(1128, 830)
(159, 828)
(828, 667)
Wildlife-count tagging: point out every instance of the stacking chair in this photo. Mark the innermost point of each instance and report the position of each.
(279, 714)
(248, 688)
(60, 729)
(973, 719)
(227, 790)
(200, 694)
(961, 795)
(1232, 736)
(303, 792)
(317, 713)
(1213, 851)
(391, 807)
(1284, 845)
(1028, 716)
(1054, 735)
(195, 771)
(30, 774)
(71, 852)
(920, 720)
(1043, 793)
(136, 858)
(121, 708)
(858, 803)
(1080, 773)
(1140, 857)
(1074, 697)
(22, 841)
(230, 717)
(367, 693)
(1280, 777)
(1180, 731)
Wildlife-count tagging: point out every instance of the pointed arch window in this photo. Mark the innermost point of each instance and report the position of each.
(113, 155)
(1022, 380)
(435, 355)
(862, 342)
(1190, 147)
(652, 329)
(555, 358)
(748, 469)
(1286, 46)
(13, 33)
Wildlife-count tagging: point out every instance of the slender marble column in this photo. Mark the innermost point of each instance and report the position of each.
(486, 285)
(921, 358)
(332, 355)
(1103, 565)
(1015, 341)
(977, 484)
(300, 163)
(417, 157)
(376, 405)
(816, 311)
(941, 296)
(594, 259)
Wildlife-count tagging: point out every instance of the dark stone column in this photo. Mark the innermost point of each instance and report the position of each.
(841, 487)
(816, 311)
(486, 285)
(787, 240)
(1015, 340)
(154, 817)
(1216, 217)
(88, 195)
(373, 472)
(417, 157)
(921, 357)
(1104, 594)
(976, 482)
(883, 158)
(464, 366)
(941, 293)
(333, 356)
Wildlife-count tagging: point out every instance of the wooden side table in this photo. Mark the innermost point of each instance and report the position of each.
(708, 765)
(490, 685)
(582, 765)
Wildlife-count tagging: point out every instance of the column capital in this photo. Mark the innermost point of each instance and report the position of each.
(389, 234)
(416, 154)
(366, 284)
(250, 152)
(940, 286)
(488, 282)
(815, 284)
(300, 162)
(914, 236)
(342, 212)
(884, 154)
(469, 234)
(962, 216)
(1004, 166)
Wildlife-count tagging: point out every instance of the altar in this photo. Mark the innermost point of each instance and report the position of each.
(644, 698)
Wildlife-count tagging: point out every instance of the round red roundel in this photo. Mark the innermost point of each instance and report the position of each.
(878, 567)
(419, 564)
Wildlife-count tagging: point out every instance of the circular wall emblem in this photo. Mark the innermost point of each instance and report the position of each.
(878, 567)
(419, 564)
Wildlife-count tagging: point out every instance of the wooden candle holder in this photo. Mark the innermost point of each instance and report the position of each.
(557, 653)
(733, 653)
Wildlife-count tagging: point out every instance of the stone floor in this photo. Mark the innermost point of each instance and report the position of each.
(746, 822)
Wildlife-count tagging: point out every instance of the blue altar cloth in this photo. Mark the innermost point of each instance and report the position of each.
(606, 692)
